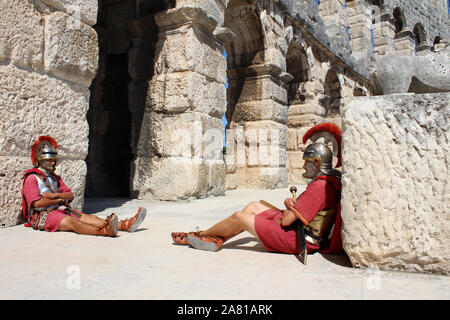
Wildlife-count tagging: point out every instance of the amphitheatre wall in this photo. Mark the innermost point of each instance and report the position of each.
(135, 91)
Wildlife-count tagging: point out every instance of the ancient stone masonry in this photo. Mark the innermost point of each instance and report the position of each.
(48, 57)
(135, 91)
(396, 199)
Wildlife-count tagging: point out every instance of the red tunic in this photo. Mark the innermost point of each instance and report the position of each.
(30, 193)
(322, 193)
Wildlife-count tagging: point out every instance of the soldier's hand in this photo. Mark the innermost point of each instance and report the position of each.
(49, 195)
(289, 203)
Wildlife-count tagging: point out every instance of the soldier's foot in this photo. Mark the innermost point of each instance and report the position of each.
(109, 229)
(133, 223)
(207, 243)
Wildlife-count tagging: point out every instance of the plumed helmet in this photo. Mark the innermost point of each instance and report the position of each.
(43, 148)
(320, 151)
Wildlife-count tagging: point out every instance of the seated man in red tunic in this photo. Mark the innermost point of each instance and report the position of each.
(46, 199)
(316, 212)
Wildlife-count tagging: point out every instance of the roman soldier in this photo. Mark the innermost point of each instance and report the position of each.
(310, 222)
(46, 199)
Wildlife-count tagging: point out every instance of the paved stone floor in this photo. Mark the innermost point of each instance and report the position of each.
(147, 265)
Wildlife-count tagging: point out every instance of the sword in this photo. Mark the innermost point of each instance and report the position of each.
(301, 243)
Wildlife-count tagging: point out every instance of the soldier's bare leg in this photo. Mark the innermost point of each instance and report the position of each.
(243, 220)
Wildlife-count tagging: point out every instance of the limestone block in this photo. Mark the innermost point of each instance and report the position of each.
(261, 177)
(419, 74)
(187, 50)
(71, 53)
(11, 173)
(261, 88)
(35, 104)
(212, 9)
(306, 120)
(177, 178)
(21, 36)
(231, 181)
(260, 110)
(395, 199)
(180, 91)
(83, 10)
(187, 135)
(313, 108)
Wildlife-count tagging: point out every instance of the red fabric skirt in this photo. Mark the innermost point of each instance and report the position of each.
(276, 238)
(54, 219)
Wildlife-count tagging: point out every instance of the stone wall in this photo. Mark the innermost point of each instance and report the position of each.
(48, 57)
(396, 196)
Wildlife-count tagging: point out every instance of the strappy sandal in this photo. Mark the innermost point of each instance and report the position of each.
(109, 229)
(133, 223)
(207, 243)
(181, 238)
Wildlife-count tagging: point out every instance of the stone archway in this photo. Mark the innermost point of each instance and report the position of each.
(332, 95)
(256, 111)
(303, 109)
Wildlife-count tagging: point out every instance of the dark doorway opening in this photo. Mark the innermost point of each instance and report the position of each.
(118, 93)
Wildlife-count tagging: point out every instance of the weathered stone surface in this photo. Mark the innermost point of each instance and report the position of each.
(34, 104)
(396, 199)
(84, 10)
(418, 74)
(181, 91)
(189, 178)
(71, 52)
(261, 177)
(187, 135)
(21, 36)
(260, 110)
(189, 50)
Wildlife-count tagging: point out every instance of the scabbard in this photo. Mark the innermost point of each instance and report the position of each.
(301, 242)
(269, 205)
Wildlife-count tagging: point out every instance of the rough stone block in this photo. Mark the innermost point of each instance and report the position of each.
(180, 91)
(187, 135)
(262, 178)
(21, 36)
(71, 52)
(395, 199)
(83, 10)
(260, 110)
(261, 88)
(185, 50)
(189, 178)
(34, 104)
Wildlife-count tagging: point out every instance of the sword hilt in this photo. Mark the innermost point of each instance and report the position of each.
(293, 190)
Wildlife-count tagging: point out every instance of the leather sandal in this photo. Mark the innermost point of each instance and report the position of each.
(109, 229)
(133, 223)
(181, 237)
(207, 243)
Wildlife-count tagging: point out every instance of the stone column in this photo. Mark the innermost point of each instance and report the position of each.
(257, 139)
(404, 43)
(333, 12)
(179, 151)
(383, 33)
(303, 114)
(359, 18)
